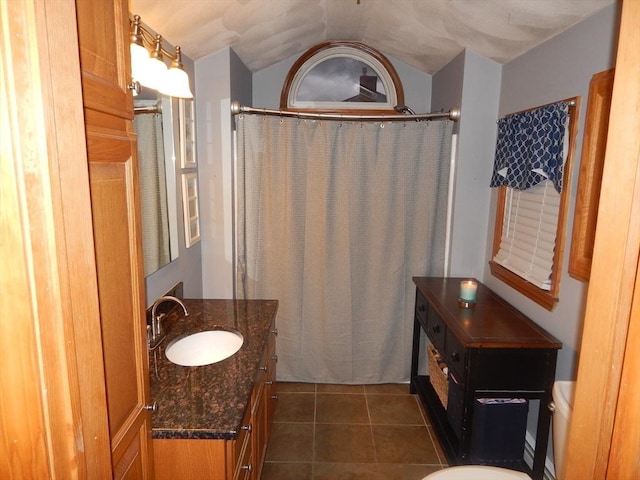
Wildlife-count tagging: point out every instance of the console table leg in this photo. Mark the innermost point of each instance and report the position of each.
(415, 354)
(542, 437)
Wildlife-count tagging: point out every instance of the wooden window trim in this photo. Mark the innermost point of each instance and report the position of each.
(366, 52)
(590, 175)
(546, 299)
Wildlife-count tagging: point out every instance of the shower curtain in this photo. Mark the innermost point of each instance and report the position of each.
(153, 191)
(334, 219)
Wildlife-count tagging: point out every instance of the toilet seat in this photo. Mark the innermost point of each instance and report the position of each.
(477, 472)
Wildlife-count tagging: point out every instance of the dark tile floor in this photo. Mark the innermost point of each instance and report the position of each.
(347, 432)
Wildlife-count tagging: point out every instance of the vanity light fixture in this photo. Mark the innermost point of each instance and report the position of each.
(148, 63)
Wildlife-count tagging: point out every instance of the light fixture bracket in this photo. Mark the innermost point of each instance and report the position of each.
(142, 37)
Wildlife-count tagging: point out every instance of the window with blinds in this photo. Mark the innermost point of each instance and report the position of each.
(532, 173)
(528, 237)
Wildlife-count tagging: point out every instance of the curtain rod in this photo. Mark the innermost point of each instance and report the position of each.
(237, 108)
(572, 102)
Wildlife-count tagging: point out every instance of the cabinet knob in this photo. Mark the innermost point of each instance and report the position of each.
(268, 382)
(248, 428)
(274, 358)
(248, 468)
(135, 86)
(274, 397)
(455, 356)
(153, 407)
(264, 368)
(275, 331)
(436, 329)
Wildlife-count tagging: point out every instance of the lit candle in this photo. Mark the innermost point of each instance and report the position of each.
(468, 289)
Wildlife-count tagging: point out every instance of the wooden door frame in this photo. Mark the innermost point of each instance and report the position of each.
(53, 410)
(604, 440)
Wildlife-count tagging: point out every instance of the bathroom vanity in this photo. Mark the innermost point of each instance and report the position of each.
(213, 421)
(492, 351)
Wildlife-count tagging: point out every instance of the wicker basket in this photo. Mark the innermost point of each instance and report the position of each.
(437, 376)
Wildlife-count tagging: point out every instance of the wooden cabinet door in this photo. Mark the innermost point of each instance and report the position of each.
(113, 176)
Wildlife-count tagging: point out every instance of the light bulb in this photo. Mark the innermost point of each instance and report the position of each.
(176, 83)
(176, 80)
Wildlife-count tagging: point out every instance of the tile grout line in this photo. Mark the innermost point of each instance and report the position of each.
(427, 424)
(373, 440)
(315, 467)
(313, 439)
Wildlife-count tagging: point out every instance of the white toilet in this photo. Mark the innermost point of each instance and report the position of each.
(563, 401)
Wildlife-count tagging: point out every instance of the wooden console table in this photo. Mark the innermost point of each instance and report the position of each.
(492, 350)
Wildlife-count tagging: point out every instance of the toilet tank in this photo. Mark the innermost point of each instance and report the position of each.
(563, 392)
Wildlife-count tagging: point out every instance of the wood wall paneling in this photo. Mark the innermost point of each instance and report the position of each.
(113, 172)
(601, 443)
(53, 405)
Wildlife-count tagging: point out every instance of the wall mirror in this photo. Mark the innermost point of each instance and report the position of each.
(594, 146)
(154, 123)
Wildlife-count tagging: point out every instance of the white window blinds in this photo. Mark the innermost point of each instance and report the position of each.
(529, 233)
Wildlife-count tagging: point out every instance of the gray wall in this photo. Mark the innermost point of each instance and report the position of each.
(472, 83)
(213, 83)
(558, 69)
(220, 78)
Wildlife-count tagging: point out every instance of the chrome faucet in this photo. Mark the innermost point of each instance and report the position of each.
(157, 335)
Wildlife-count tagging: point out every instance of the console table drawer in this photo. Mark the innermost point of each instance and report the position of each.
(436, 331)
(455, 356)
(421, 309)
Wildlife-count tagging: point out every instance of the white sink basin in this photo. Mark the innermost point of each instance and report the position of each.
(204, 348)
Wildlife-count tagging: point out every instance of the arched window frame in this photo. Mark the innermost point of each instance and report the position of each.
(334, 49)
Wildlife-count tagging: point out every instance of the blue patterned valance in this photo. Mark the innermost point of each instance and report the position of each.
(530, 147)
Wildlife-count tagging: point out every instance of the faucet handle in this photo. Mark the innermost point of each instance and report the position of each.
(157, 325)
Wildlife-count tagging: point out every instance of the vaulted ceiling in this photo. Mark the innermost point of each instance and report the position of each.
(425, 34)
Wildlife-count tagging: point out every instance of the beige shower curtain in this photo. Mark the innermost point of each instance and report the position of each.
(334, 219)
(153, 191)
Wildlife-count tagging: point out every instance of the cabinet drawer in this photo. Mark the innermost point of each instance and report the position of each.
(436, 330)
(244, 467)
(421, 309)
(455, 356)
(243, 439)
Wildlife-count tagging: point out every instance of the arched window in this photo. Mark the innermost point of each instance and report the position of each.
(342, 77)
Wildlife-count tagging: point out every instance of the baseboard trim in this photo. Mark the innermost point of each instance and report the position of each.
(529, 448)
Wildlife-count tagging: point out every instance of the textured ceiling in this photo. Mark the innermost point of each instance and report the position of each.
(425, 34)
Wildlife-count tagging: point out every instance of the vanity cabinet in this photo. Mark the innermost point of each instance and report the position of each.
(242, 464)
(263, 403)
(214, 452)
(492, 351)
(252, 441)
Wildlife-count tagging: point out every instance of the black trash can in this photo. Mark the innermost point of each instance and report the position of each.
(499, 429)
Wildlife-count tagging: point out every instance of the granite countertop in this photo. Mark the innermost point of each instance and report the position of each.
(208, 402)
